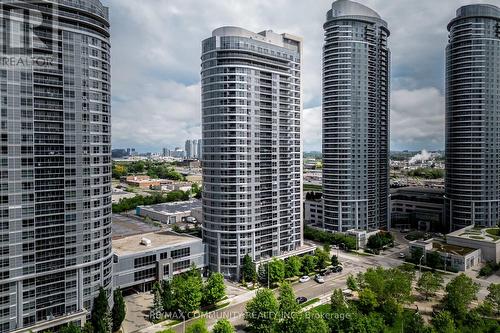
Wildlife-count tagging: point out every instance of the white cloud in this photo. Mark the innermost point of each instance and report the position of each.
(156, 61)
(417, 119)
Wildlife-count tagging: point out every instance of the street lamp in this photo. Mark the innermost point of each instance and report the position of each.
(420, 264)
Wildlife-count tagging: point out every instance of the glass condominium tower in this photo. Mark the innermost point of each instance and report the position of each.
(356, 63)
(252, 154)
(473, 117)
(55, 161)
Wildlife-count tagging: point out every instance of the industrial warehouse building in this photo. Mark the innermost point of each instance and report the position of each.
(170, 213)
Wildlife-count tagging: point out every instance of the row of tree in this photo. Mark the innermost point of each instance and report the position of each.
(277, 270)
(126, 204)
(346, 241)
(267, 314)
(185, 294)
(157, 170)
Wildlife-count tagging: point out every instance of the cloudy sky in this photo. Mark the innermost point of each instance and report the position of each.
(156, 64)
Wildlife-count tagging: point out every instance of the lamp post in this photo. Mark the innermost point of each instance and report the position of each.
(420, 264)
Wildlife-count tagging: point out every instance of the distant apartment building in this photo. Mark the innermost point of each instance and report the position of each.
(252, 150)
(178, 153)
(199, 155)
(472, 178)
(356, 63)
(55, 173)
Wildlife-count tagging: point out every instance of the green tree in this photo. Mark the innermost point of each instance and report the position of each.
(292, 266)
(443, 322)
(321, 258)
(433, 259)
(288, 308)
(214, 289)
(429, 283)
(389, 284)
(337, 300)
(308, 264)
(260, 312)
(100, 316)
(276, 270)
(157, 310)
(88, 328)
(223, 326)
(187, 292)
(335, 260)
(351, 282)
(248, 272)
(367, 300)
(460, 292)
(494, 296)
(199, 326)
(71, 328)
(303, 323)
(262, 274)
(118, 310)
(415, 255)
(167, 297)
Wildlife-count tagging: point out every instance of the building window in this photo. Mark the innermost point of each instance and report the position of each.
(145, 274)
(180, 265)
(166, 270)
(181, 253)
(144, 261)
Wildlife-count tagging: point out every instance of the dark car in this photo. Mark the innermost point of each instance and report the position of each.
(301, 299)
(326, 272)
(337, 269)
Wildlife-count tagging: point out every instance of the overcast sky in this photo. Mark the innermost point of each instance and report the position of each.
(156, 64)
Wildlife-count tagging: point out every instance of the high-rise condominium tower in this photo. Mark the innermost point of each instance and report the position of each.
(355, 118)
(55, 161)
(252, 156)
(473, 117)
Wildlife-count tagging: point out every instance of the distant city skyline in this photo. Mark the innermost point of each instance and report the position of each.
(156, 96)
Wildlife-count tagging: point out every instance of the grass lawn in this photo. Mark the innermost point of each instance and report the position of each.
(309, 302)
(312, 188)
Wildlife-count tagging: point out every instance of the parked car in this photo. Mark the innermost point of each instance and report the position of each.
(318, 278)
(402, 255)
(335, 247)
(347, 292)
(305, 278)
(326, 272)
(337, 269)
(301, 300)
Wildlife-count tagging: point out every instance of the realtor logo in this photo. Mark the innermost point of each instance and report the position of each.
(29, 32)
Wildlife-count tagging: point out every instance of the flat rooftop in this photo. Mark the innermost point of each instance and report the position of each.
(490, 235)
(452, 249)
(123, 225)
(132, 244)
(174, 207)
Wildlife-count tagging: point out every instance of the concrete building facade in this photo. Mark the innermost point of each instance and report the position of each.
(356, 63)
(140, 260)
(252, 148)
(472, 117)
(55, 172)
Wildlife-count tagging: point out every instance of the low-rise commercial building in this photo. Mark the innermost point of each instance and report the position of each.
(169, 213)
(458, 258)
(142, 181)
(417, 208)
(485, 239)
(141, 260)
